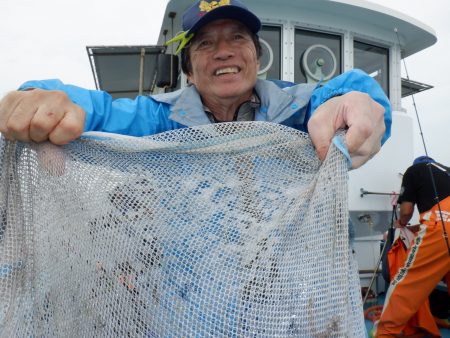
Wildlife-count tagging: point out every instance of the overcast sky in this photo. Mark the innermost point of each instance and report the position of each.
(41, 39)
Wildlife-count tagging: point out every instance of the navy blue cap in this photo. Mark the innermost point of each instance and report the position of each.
(205, 11)
(423, 159)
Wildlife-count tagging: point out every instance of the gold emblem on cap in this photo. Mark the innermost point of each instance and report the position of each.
(209, 6)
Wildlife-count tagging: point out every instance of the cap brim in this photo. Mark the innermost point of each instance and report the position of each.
(229, 12)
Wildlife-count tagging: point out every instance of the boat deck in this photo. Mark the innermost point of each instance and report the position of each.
(379, 301)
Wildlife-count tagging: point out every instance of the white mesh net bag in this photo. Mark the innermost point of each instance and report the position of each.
(226, 230)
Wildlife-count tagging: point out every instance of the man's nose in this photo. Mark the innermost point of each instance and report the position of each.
(224, 49)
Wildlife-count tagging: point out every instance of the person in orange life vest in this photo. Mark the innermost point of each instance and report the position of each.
(428, 260)
(422, 320)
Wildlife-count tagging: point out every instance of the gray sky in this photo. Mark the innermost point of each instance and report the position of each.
(43, 39)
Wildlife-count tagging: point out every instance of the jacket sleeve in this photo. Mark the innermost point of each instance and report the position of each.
(139, 117)
(353, 80)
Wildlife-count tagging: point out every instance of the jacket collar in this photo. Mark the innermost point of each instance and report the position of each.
(277, 104)
(281, 103)
(186, 106)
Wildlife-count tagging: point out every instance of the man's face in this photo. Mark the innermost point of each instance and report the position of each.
(224, 61)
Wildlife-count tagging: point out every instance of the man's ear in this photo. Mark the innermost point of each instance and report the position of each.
(189, 78)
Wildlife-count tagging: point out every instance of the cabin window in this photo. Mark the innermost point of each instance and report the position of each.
(270, 38)
(374, 61)
(317, 56)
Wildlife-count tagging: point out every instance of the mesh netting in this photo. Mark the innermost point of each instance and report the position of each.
(225, 230)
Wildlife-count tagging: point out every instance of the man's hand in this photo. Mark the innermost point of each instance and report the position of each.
(355, 111)
(40, 115)
(399, 224)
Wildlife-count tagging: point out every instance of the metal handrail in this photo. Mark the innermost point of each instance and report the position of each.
(365, 192)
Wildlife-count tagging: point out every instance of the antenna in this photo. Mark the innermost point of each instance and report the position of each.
(167, 74)
(412, 96)
(172, 16)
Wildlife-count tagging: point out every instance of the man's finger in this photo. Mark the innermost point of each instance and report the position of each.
(321, 135)
(357, 134)
(7, 105)
(53, 106)
(323, 124)
(43, 123)
(70, 127)
(51, 158)
(19, 113)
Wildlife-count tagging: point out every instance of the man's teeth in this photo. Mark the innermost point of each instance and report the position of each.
(228, 70)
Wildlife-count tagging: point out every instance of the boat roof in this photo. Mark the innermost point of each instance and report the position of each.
(371, 19)
(414, 35)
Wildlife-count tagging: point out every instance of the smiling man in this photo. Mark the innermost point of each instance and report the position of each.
(220, 56)
(224, 66)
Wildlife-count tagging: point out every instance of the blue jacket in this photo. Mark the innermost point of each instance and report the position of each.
(291, 106)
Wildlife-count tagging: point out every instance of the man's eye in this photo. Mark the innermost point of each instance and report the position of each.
(238, 37)
(204, 43)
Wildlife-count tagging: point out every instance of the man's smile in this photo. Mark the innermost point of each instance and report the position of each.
(227, 70)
